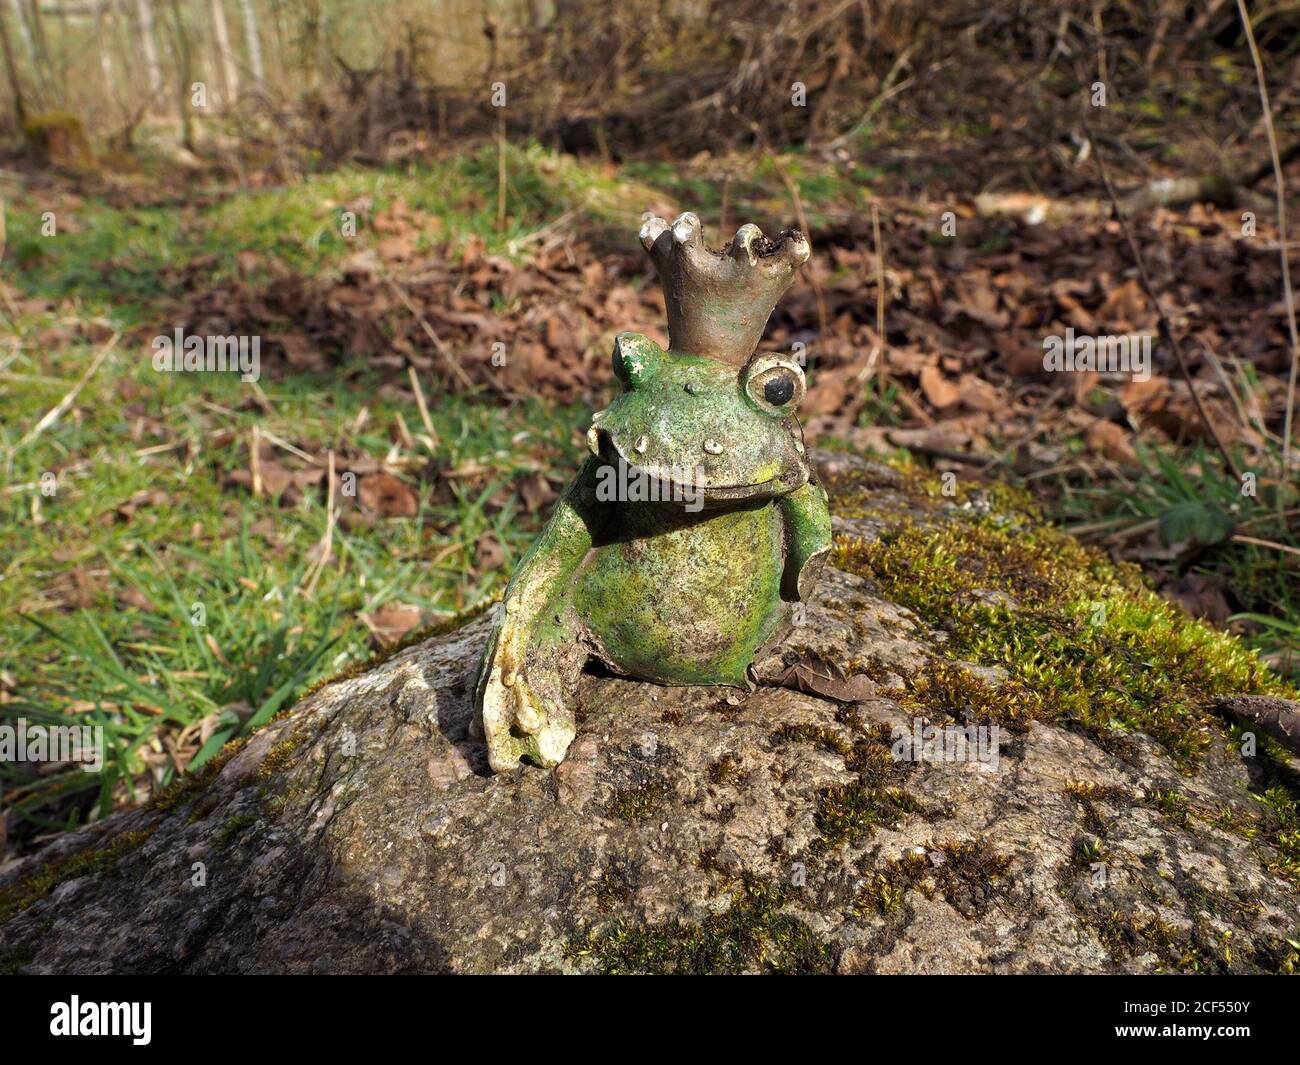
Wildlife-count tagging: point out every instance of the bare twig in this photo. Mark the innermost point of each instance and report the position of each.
(501, 169)
(57, 412)
(1166, 330)
(326, 545)
(450, 359)
(880, 297)
(424, 407)
(1279, 190)
(1272, 545)
(1242, 416)
(255, 461)
(797, 201)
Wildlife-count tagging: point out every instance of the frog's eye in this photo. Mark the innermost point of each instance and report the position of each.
(636, 358)
(775, 385)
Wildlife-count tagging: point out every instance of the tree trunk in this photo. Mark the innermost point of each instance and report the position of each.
(226, 56)
(253, 40)
(104, 41)
(11, 68)
(24, 31)
(184, 77)
(149, 48)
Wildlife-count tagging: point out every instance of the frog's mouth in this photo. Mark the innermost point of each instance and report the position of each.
(672, 486)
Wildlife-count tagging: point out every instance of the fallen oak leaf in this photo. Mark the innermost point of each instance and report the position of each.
(391, 622)
(489, 553)
(389, 496)
(941, 392)
(815, 675)
(1112, 441)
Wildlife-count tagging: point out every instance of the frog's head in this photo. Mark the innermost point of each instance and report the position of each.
(704, 426)
(709, 413)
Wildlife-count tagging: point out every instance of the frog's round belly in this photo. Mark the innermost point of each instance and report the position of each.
(685, 604)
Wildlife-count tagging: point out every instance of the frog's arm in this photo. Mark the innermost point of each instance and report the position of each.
(519, 692)
(808, 538)
(557, 552)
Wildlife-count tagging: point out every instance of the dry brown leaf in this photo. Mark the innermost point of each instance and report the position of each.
(819, 676)
(387, 495)
(391, 622)
(941, 392)
(1113, 442)
(489, 553)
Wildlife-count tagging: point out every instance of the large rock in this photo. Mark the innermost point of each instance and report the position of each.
(703, 829)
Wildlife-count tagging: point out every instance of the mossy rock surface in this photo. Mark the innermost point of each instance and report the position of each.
(713, 830)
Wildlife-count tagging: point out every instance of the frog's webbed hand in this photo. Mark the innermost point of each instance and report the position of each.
(523, 683)
(808, 538)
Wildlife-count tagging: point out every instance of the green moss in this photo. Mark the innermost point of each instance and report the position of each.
(1089, 794)
(1080, 638)
(817, 736)
(851, 812)
(1202, 948)
(31, 889)
(885, 889)
(187, 785)
(966, 873)
(752, 934)
(1089, 791)
(637, 803)
(1173, 804)
(235, 827)
(969, 875)
(11, 961)
(612, 889)
(203, 808)
(727, 770)
(281, 756)
(1085, 853)
(950, 688)
(1127, 932)
(1284, 833)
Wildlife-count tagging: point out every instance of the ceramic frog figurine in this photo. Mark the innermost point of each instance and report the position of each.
(695, 522)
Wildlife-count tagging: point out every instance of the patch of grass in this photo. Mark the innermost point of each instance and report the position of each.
(1191, 498)
(146, 593)
(134, 260)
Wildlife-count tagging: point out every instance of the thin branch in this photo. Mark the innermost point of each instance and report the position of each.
(1272, 545)
(450, 359)
(1166, 330)
(1281, 232)
(54, 414)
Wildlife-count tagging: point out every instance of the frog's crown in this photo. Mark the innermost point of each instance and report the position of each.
(719, 302)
